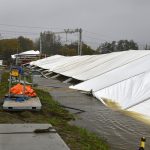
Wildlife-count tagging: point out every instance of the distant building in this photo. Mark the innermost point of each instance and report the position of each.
(1, 62)
(26, 56)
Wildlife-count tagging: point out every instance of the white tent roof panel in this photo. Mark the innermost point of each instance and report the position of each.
(115, 76)
(86, 66)
(72, 64)
(129, 92)
(122, 77)
(119, 60)
(44, 60)
(49, 62)
(30, 52)
(80, 65)
(62, 62)
(142, 108)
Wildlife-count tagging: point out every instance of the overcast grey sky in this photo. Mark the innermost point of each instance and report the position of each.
(100, 19)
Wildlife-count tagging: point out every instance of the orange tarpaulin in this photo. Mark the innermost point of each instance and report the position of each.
(21, 89)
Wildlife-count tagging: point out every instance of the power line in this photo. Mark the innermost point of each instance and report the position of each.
(13, 32)
(30, 27)
(7, 33)
(20, 32)
(97, 43)
(68, 31)
(100, 39)
(10, 32)
(97, 34)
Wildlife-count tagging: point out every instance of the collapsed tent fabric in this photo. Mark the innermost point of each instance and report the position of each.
(122, 77)
(119, 60)
(46, 60)
(116, 75)
(65, 61)
(127, 85)
(83, 67)
(79, 61)
(132, 94)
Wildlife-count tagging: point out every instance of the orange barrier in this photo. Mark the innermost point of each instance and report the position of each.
(21, 89)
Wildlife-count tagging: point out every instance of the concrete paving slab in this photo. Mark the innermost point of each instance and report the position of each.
(30, 104)
(22, 137)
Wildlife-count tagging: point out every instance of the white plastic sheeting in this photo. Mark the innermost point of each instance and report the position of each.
(142, 108)
(46, 60)
(81, 62)
(132, 94)
(82, 70)
(70, 61)
(128, 92)
(89, 66)
(116, 75)
(123, 77)
(50, 62)
(114, 63)
(127, 85)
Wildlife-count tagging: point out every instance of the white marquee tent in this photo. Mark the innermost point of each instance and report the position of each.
(30, 52)
(122, 77)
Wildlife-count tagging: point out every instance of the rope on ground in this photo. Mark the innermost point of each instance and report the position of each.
(50, 86)
(80, 110)
(37, 131)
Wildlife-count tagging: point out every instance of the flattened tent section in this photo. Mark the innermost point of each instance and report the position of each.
(122, 77)
(116, 75)
(132, 94)
(47, 60)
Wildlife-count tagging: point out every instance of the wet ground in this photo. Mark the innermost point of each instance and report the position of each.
(1, 74)
(121, 131)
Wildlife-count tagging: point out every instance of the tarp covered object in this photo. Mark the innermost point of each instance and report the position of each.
(20, 89)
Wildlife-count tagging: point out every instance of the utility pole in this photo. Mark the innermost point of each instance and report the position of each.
(17, 57)
(70, 31)
(0, 36)
(67, 31)
(80, 41)
(40, 44)
(78, 47)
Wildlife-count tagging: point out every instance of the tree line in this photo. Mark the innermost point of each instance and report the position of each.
(14, 46)
(114, 46)
(51, 45)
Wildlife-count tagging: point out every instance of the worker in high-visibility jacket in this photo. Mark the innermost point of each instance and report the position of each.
(142, 143)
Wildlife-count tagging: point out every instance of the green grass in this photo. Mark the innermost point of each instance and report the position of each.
(51, 112)
(4, 84)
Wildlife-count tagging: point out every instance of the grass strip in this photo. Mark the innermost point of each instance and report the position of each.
(76, 138)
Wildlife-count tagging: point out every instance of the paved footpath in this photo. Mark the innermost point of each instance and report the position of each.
(23, 137)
